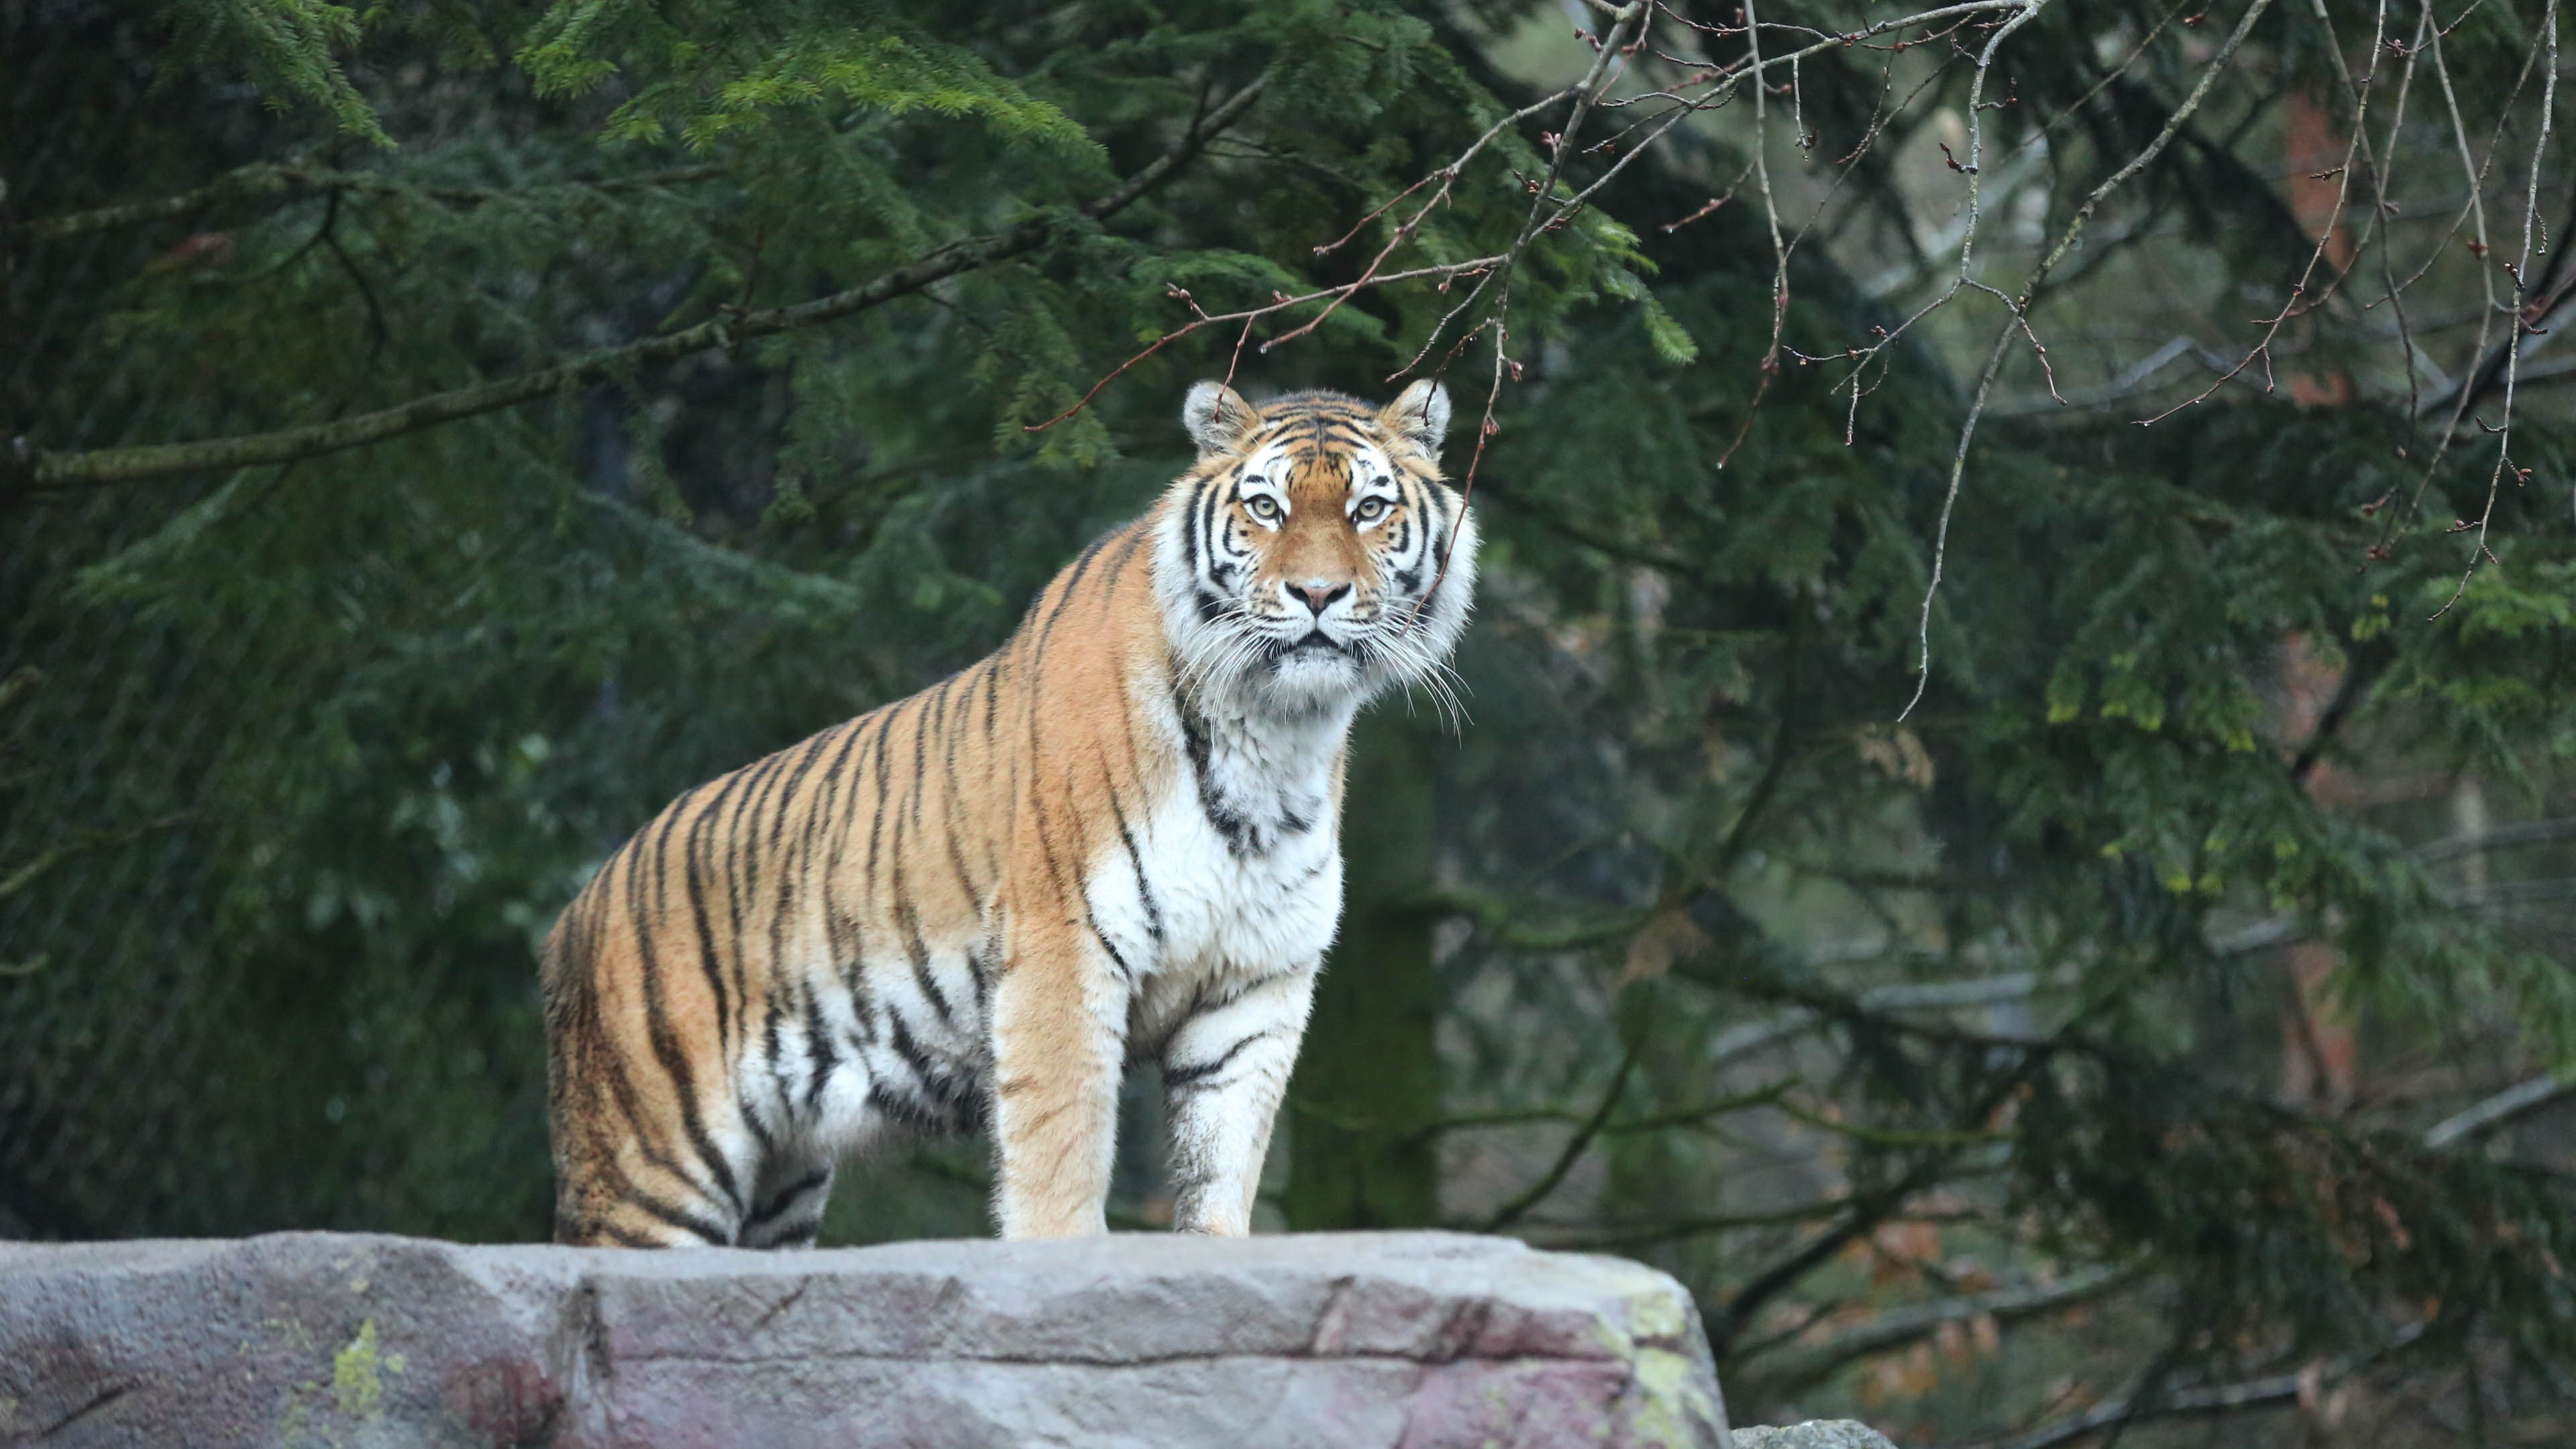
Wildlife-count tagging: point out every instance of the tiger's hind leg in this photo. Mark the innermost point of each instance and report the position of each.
(787, 1204)
(632, 1194)
(627, 1176)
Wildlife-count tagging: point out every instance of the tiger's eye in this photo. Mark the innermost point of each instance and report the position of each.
(1261, 508)
(1371, 510)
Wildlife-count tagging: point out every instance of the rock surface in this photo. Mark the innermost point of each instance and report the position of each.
(1343, 1340)
(1818, 1434)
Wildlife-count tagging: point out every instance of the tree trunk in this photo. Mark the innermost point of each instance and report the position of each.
(1368, 1079)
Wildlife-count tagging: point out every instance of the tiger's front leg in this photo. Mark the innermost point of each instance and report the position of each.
(1058, 1022)
(1224, 1071)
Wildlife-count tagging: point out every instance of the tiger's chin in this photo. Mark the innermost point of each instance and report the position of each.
(1312, 677)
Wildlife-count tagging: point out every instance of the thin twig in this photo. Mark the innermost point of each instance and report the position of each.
(2522, 321)
(2030, 290)
(1512, 1211)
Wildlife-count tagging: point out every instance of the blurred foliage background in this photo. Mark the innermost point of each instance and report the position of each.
(2162, 1029)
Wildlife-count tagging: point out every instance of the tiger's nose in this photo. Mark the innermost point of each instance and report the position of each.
(1318, 594)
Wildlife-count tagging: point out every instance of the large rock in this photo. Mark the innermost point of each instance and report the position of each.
(1815, 1434)
(1337, 1340)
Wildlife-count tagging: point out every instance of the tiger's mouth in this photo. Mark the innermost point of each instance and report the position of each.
(1314, 643)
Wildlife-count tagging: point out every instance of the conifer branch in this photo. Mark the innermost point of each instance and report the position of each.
(265, 179)
(24, 468)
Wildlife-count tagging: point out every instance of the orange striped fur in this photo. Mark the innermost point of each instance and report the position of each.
(1111, 840)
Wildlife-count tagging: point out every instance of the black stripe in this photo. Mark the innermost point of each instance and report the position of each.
(785, 793)
(787, 857)
(949, 810)
(1126, 972)
(956, 846)
(1056, 874)
(692, 853)
(947, 748)
(667, 1050)
(851, 733)
(629, 1192)
(830, 812)
(899, 1036)
(1437, 502)
(935, 1100)
(773, 1001)
(1210, 510)
(1136, 862)
(759, 1130)
(1072, 581)
(773, 1040)
(818, 1046)
(678, 1217)
(742, 862)
(921, 726)
(795, 858)
(1194, 740)
(1046, 841)
(621, 1095)
(1189, 527)
(785, 1198)
(797, 1234)
(742, 882)
(922, 1112)
(1175, 1078)
(908, 920)
(1134, 535)
(877, 773)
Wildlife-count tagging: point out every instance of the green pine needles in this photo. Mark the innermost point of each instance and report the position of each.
(431, 435)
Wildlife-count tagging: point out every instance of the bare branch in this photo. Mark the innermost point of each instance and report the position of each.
(2524, 318)
(2021, 305)
(1899, 1327)
(1512, 1212)
(2216, 1399)
(2504, 1106)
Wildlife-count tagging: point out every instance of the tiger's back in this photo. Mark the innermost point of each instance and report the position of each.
(970, 908)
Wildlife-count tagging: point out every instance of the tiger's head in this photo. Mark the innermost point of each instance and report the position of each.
(1313, 556)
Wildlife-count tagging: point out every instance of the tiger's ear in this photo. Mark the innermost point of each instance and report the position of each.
(1421, 414)
(1217, 417)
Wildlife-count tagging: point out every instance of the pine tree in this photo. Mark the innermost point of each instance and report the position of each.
(437, 434)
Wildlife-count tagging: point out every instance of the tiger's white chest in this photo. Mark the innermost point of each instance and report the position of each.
(1256, 912)
(1235, 872)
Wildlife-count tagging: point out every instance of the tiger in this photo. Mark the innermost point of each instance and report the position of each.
(1113, 841)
